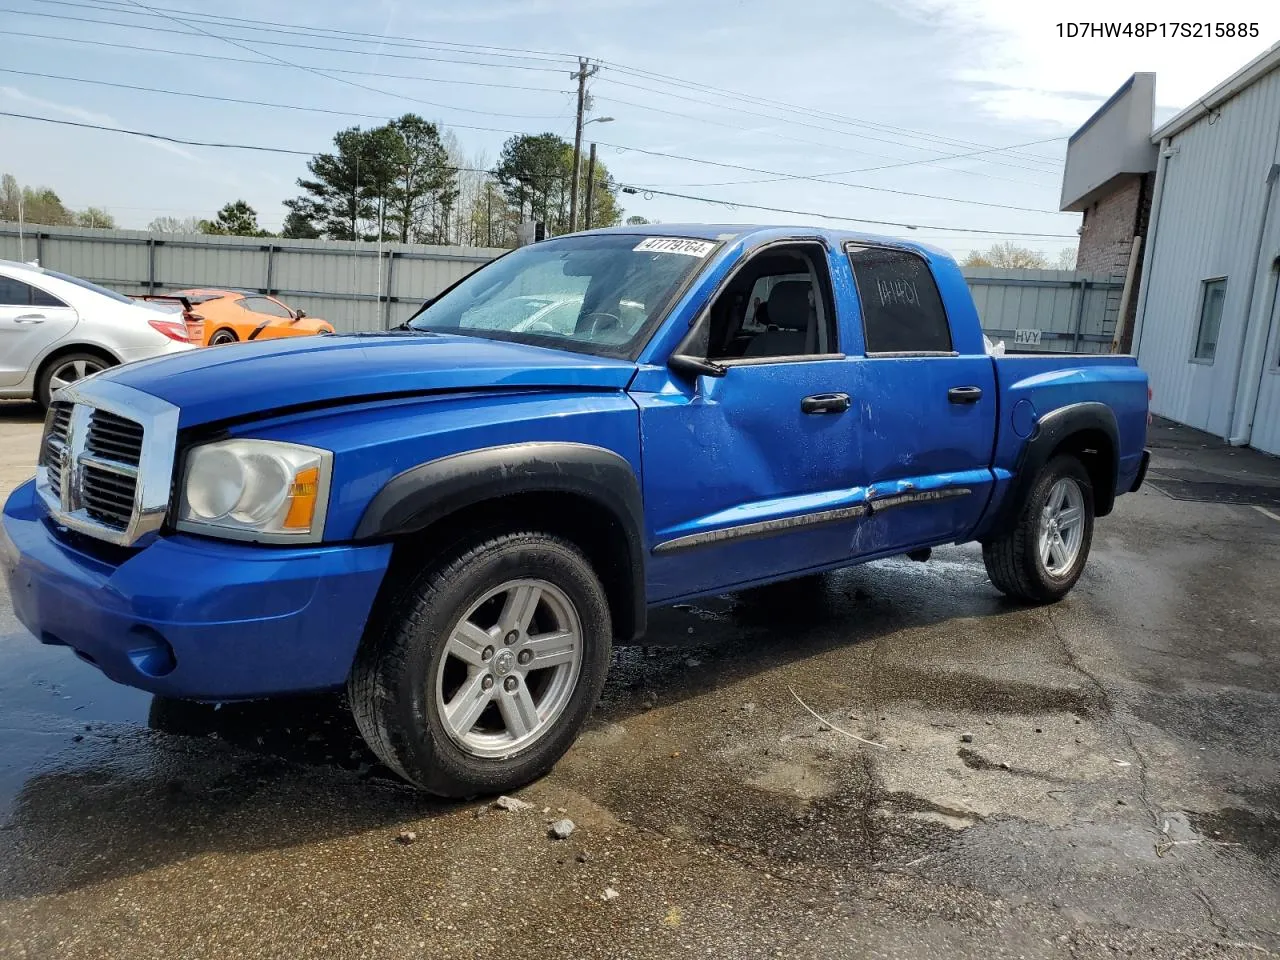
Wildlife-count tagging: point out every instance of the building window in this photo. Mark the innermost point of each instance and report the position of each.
(1212, 296)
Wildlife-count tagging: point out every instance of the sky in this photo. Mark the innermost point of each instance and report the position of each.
(881, 95)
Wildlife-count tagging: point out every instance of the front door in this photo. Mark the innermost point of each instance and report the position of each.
(755, 474)
(30, 320)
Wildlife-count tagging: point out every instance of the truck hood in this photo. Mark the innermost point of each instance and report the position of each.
(221, 383)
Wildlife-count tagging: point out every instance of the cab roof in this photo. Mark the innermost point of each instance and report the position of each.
(758, 232)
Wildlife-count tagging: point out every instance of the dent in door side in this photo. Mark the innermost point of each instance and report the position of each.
(712, 466)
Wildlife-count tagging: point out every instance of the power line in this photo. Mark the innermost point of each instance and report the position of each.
(817, 143)
(267, 63)
(299, 66)
(228, 22)
(855, 121)
(859, 134)
(626, 188)
(817, 178)
(886, 166)
(827, 216)
(160, 136)
(228, 146)
(260, 103)
(300, 30)
(774, 176)
(282, 43)
(517, 53)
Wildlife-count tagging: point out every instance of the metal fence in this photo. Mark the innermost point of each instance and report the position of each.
(363, 286)
(352, 284)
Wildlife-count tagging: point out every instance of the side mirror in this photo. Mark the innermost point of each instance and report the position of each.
(300, 314)
(695, 366)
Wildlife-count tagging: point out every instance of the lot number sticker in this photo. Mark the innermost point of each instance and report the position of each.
(691, 248)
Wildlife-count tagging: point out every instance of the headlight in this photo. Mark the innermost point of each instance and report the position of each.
(256, 490)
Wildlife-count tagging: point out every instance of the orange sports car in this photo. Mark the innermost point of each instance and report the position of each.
(231, 315)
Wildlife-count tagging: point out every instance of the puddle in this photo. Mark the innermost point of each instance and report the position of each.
(1257, 833)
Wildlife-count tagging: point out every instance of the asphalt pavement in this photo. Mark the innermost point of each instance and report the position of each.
(1099, 778)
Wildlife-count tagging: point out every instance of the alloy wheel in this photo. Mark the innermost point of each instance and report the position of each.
(509, 668)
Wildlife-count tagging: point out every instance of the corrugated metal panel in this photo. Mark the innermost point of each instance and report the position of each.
(1048, 301)
(1209, 217)
(354, 285)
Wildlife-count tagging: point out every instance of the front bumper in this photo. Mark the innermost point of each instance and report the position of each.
(189, 617)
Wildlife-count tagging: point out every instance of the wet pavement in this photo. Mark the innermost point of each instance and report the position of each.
(1100, 778)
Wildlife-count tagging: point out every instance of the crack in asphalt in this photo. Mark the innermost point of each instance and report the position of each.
(1109, 706)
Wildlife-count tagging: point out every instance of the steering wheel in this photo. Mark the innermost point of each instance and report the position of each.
(539, 326)
(599, 322)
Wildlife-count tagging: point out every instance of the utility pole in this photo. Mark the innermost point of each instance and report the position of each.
(591, 187)
(585, 69)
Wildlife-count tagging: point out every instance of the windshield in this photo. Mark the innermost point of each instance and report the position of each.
(88, 286)
(594, 294)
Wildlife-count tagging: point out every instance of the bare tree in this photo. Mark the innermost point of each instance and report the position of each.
(1008, 254)
(174, 225)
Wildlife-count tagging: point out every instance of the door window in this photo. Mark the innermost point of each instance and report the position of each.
(39, 298)
(265, 306)
(15, 293)
(902, 311)
(779, 305)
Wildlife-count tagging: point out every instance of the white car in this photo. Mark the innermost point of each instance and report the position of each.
(56, 329)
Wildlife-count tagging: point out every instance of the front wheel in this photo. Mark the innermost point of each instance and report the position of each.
(486, 667)
(1040, 558)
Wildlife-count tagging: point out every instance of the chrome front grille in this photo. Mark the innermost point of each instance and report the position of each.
(53, 450)
(114, 438)
(106, 462)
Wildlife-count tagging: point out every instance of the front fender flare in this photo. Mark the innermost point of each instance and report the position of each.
(418, 497)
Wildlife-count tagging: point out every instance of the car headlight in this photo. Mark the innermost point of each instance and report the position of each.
(256, 490)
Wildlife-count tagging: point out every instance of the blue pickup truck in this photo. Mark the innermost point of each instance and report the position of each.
(455, 519)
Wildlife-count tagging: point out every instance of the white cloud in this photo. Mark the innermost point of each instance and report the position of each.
(87, 116)
(1022, 69)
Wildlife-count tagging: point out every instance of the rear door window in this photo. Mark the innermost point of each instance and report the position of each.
(902, 311)
(14, 293)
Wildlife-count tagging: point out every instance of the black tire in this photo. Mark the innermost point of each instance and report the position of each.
(93, 362)
(1013, 560)
(392, 687)
(223, 336)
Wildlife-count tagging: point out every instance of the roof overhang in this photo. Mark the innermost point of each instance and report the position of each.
(1246, 76)
(1112, 146)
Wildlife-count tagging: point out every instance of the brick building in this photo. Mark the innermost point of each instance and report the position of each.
(1110, 168)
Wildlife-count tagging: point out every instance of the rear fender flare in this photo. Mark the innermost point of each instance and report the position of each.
(1051, 431)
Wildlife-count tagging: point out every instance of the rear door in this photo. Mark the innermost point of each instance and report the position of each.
(30, 320)
(928, 402)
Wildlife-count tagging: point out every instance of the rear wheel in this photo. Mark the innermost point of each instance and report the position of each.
(486, 666)
(223, 336)
(1040, 558)
(66, 370)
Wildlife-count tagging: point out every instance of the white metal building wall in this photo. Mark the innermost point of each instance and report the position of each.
(1210, 210)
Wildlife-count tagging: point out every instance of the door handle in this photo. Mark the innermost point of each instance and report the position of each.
(964, 394)
(29, 318)
(825, 403)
